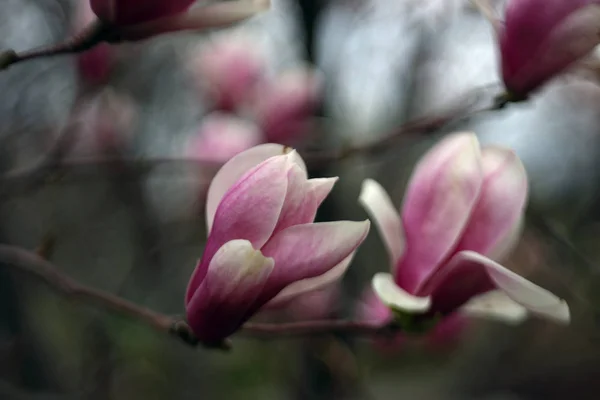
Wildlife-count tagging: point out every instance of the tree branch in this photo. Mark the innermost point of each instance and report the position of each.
(320, 327)
(90, 37)
(35, 266)
(30, 263)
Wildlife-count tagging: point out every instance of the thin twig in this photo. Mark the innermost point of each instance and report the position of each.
(312, 328)
(467, 106)
(90, 37)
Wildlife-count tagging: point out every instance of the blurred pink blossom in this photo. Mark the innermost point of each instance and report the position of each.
(106, 124)
(262, 241)
(285, 106)
(95, 64)
(462, 209)
(230, 70)
(222, 136)
(540, 39)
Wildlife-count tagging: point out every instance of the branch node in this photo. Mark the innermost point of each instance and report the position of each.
(183, 331)
(7, 58)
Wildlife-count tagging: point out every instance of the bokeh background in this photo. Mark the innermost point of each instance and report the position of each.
(135, 228)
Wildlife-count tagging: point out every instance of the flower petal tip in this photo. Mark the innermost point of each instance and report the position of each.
(396, 298)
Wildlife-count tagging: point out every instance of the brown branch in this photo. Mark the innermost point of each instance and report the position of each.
(311, 328)
(465, 107)
(35, 266)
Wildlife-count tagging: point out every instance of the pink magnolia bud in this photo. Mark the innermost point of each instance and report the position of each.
(223, 136)
(94, 64)
(230, 70)
(129, 12)
(285, 106)
(262, 240)
(462, 205)
(540, 39)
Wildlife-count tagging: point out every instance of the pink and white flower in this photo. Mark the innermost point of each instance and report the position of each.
(263, 245)
(462, 212)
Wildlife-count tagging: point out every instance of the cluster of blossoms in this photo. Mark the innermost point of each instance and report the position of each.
(250, 107)
(462, 211)
(538, 39)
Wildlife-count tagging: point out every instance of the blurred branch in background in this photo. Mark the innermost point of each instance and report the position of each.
(478, 101)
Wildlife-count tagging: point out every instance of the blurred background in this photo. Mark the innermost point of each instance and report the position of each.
(105, 168)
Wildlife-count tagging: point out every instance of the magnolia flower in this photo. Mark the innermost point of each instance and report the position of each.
(462, 211)
(540, 39)
(139, 19)
(263, 246)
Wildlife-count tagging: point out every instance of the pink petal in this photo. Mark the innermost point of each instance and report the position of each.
(501, 203)
(235, 277)
(249, 210)
(321, 187)
(310, 250)
(439, 200)
(303, 286)
(231, 172)
(469, 274)
(371, 309)
(296, 207)
(125, 12)
(448, 331)
(223, 136)
(542, 38)
(378, 204)
(302, 199)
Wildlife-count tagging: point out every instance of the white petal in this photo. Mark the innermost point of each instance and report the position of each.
(395, 297)
(238, 166)
(536, 299)
(378, 204)
(495, 305)
(321, 187)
